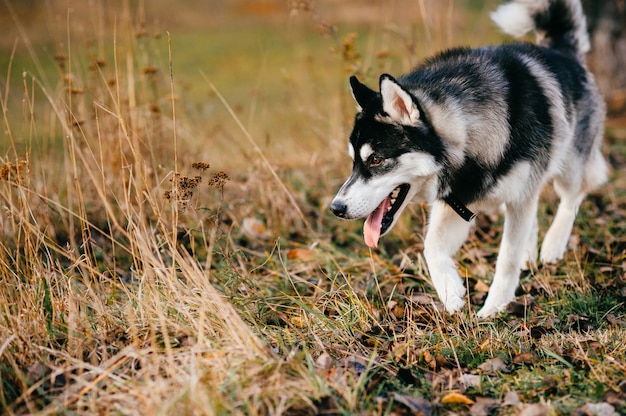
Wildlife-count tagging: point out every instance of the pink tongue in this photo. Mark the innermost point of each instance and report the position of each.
(371, 229)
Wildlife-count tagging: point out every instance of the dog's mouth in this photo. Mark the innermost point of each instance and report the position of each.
(381, 219)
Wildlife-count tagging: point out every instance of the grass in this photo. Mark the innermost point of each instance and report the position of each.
(163, 250)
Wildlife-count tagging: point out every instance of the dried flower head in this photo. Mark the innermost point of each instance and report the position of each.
(219, 179)
(200, 166)
(12, 172)
(183, 189)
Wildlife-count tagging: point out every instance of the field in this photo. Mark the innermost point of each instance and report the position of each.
(166, 243)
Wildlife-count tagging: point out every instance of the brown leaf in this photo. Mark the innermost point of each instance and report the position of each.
(596, 409)
(484, 406)
(613, 320)
(469, 380)
(324, 361)
(417, 405)
(520, 308)
(525, 358)
(516, 309)
(441, 360)
(576, 357)
(398, 311)
(302, 254)
(511, 398)
(537, 409)
(456, 398)
(616, 398)
(593, 347)
(494, 365)
(579, 323)
(423, 299)
(255, 229)
(429, 359)
(536, 332)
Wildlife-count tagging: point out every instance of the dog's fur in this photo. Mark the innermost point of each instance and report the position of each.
(478, 129)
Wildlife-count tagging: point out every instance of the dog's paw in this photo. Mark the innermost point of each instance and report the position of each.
(554, 246)
(451, 292)
(453, 303)
(551, 254)
(487, 311)
(496, 302)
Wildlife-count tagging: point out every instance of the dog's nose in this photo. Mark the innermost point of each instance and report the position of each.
(338, 208)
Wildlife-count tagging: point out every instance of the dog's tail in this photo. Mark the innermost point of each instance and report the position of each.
(559, 24)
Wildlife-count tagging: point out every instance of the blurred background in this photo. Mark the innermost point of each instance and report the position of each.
(282, 65)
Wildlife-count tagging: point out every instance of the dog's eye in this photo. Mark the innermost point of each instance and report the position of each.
(375, 161)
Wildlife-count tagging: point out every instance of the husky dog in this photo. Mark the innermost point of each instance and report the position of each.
(478, 129)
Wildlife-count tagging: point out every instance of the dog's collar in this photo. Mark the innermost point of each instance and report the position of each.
(460, 208)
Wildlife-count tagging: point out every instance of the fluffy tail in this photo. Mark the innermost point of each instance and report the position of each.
(559, 24)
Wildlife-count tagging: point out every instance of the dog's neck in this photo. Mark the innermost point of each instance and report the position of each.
(458, 207)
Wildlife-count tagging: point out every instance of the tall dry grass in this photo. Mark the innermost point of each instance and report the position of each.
(107, 291)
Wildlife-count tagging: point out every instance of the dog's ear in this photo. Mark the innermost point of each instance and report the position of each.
(362, 94)
(397, 102)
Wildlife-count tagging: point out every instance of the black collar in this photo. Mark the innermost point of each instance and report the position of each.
(458, 207)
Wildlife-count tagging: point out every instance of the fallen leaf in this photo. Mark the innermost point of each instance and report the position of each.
(302, 254)
(423, 299)
(536, 332)
(517, 309)
(576, 357)
(396, 309)
(354, 364)
(536, 409)
(441, 360)
(429, 359)
(581, 323)
(36, 372)
(596, 409)
(324, 361)
(484, 406)
(469, 380)
(613, 320)
(592, 347)
(255, 229)
(616, 398)
(416, 404)
(511, 398)
(525, 358)
(456, 398)
(494, 365)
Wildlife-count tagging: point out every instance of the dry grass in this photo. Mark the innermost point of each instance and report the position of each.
(135, 278)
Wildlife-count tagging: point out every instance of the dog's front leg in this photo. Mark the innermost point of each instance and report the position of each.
(518, 226)
(446, 232)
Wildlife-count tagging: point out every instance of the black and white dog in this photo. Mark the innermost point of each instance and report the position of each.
(477, 129)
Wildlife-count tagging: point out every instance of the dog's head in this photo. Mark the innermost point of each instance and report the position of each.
(396, 156)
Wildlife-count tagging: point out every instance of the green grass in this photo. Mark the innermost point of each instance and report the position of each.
(132, 282)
